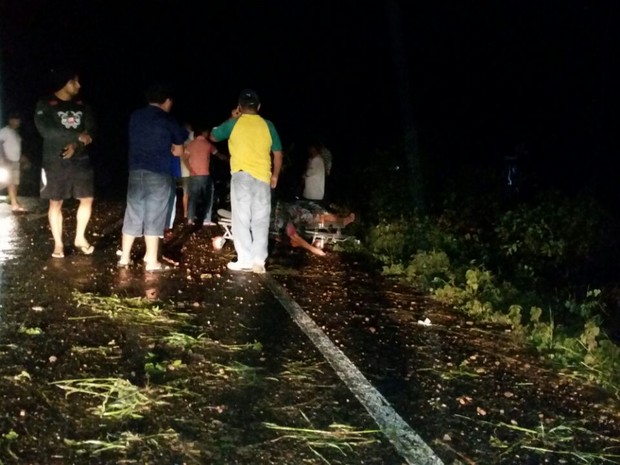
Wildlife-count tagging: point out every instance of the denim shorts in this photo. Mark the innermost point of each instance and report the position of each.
(147, 203)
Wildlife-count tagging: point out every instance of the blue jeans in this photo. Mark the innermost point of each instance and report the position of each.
(209, 214)
(147, 202)
(200, 188)
(250, 202)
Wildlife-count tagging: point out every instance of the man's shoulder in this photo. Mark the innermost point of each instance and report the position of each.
(141, 113)
(48, 100)
(270, 124)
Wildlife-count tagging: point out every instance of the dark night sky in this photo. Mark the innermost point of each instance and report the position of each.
(484, 76)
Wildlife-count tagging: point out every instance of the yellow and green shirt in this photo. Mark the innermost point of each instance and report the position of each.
(251, 139)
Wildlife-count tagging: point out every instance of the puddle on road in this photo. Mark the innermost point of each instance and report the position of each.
(9, 233)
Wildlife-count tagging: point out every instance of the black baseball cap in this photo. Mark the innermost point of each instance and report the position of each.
(249, 99)
(60, 76)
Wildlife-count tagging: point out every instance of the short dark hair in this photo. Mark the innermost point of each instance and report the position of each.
(61, 75)
(14, 115)
(158, 92)
(249, 99)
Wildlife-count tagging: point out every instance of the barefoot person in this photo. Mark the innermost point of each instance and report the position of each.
(66, 124)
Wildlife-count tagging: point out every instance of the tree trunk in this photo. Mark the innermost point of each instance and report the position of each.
(403, 78)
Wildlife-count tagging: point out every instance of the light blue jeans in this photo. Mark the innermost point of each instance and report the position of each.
(250, 202)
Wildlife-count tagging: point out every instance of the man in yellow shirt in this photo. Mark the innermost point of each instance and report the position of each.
(251, 141)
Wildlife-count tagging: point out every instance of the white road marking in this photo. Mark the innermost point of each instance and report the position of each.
(406, 441)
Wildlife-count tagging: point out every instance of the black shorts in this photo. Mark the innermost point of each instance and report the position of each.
(67, 180)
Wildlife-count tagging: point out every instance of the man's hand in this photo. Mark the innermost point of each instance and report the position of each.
(274, 181)
(68, 151)
(177, 150)
(85, 138)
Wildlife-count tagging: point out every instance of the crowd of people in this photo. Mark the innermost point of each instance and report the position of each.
(165, 156)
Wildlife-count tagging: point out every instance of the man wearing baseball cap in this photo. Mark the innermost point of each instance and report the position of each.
(66, 124)
(251, 141)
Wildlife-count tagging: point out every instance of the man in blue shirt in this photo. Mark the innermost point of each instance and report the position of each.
(154, 137)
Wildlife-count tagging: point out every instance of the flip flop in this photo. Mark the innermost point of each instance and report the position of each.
(120, 264)
(169, 261)
(58, 255)
(87, 249)
(19, 210)
(159, 268)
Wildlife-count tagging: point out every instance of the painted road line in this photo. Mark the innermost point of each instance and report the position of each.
(406, 441)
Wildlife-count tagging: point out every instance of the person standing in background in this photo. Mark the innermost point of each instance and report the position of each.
(198, 157)
(314, 176)
(10, 155)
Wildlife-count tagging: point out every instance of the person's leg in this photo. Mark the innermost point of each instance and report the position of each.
(126, 244)
(81, 182)
(14, 176)
(185, 185)
(194, 191)
(211, 194)
(151, 257)
(83, 217)
(200, 199)
(241, 204)
(54, 215)
(133, 221)
(261, 211)
(158, 189)
(12, 191)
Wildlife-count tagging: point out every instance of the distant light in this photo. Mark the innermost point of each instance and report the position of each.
(8, 233)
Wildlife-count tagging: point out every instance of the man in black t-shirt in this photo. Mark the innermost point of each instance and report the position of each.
(66, 125)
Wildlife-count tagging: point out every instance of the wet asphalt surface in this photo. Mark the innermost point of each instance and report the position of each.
(290, 383)
(456, 382)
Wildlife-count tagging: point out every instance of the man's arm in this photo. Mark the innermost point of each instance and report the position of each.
(45, 123)
(222, 131)
(277, 166)
(86, 136)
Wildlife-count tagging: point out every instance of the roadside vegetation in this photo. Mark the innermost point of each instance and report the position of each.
(541, 263)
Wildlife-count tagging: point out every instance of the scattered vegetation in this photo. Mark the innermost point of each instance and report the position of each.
(555, 439)
(339, 437)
